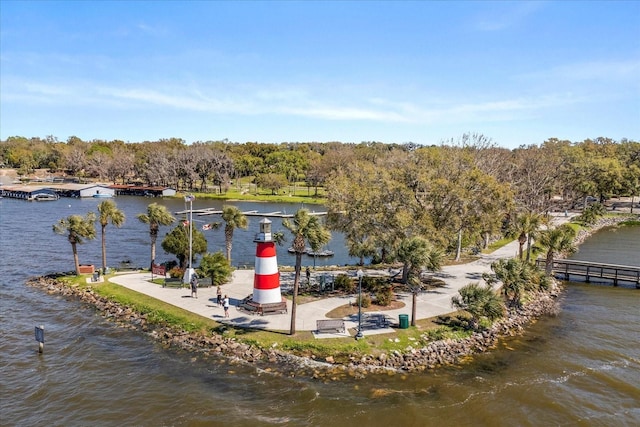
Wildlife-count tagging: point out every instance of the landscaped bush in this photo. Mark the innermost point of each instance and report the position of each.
(365, 301)
(345, 283)
(176, 272)
(384, 296)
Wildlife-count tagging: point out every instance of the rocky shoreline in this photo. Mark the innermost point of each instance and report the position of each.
(437, 353)
(421, 358)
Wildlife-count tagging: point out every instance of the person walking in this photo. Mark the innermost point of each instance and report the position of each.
(225, 304)
(194, 286)
(219, 294)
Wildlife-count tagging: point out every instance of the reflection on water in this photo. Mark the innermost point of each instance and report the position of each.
(579, 368)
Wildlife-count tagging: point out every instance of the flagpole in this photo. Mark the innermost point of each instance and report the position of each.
(190, 234)
(189, 273)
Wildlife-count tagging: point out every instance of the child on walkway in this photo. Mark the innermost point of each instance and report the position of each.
(219, 293)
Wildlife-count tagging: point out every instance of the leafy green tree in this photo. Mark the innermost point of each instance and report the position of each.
(177, 242)
(216, 266)
(557, 241)
(108, 213)
(478, 301)
(156, 216)
(305, 228)
(416, 253)
(271, 181)
(590, 214)
(233, 218)
(77, 229)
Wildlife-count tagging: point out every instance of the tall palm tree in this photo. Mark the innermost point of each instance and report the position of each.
(109, 212)
(156, 216)
(305, 228)
(233, 218)
(416, 253)
(557, 241)
(525, 228)
(77, 228)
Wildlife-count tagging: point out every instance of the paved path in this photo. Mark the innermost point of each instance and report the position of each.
(432, 303)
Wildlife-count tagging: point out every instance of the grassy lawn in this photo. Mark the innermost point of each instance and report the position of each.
(302, 343)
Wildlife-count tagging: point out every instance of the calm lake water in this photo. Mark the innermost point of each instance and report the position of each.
(579, 368)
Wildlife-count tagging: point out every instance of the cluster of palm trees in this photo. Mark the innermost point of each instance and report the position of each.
(519, 275)
(306, 229)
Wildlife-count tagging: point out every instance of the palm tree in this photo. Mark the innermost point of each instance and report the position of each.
(305, 228)
(525, 228)
(216, 266)
(416, 253)
(478, 301)
(77, 228)
(557, 241)
(156, 216)
(516, 276)
(109, 212)
(233, 218)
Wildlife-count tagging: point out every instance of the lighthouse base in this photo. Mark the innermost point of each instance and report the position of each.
(254, 307)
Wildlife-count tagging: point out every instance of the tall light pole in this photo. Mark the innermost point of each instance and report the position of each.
(189, 273)
(359, 274)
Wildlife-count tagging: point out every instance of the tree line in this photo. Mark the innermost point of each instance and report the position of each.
(532, 174)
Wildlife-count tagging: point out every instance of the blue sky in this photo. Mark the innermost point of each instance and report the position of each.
(395, 72)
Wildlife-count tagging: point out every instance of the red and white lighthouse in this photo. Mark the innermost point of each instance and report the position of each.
(266, 280)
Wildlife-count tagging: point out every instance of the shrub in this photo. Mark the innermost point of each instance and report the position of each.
(365, 301)
(176, 272)
(344, 283)
(384, 296)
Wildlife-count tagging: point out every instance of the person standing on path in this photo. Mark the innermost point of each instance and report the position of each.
(219, 294)
(225, 304)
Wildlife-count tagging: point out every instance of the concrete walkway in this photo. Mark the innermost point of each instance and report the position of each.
(434, 302)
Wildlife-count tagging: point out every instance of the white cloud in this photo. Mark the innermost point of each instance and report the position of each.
(504, 15)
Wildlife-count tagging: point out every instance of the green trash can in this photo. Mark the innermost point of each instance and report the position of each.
(404, 321)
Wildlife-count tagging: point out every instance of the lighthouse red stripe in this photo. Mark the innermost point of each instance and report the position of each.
(266, 250)
(266, 281)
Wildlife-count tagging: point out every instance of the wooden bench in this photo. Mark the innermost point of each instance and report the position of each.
(271, 308)
(172, 282)
(253, 307)
(330, 325)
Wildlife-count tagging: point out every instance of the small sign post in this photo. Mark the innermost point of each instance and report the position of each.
(40, 338)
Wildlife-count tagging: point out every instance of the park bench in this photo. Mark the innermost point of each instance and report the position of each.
(330, 325)
(172, 282)
(253, 307)
(271, 308)
(205, 282)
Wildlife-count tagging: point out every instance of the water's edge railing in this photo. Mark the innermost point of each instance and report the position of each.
(596, 272)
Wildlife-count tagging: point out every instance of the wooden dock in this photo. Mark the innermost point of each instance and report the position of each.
(276, 214)
(572, 270)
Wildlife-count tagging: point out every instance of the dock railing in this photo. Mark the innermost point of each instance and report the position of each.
(593, 271)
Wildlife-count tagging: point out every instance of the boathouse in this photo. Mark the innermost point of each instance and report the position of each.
(28, 192)
(142, 190)
(84, 190)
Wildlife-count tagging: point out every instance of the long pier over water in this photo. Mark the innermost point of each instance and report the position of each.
(593, 272)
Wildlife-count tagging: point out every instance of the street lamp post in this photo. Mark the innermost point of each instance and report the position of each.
(360, 274)
(189, 273)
